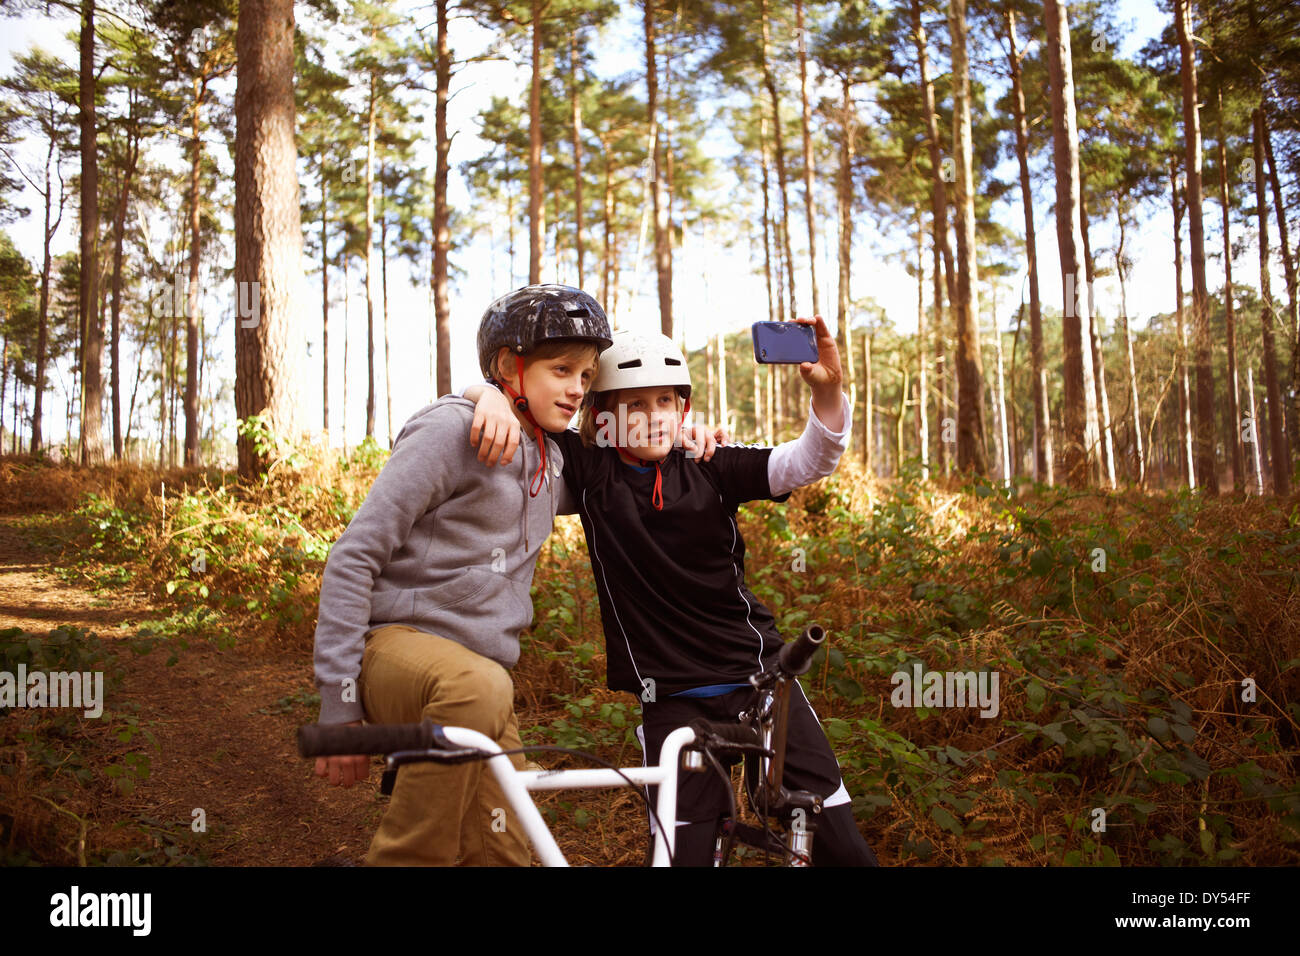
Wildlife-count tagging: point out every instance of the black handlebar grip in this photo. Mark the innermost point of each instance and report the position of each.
(796, 656)
(321, 740)
(732, 733)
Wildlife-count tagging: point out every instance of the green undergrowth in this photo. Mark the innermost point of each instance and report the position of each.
(1146, 647)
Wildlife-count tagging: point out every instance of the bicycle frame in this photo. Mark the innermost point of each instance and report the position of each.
(516, 785)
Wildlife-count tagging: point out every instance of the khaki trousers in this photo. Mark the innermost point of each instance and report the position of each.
(441, 814)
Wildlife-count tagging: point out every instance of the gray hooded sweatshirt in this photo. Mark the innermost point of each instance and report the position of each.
(442, 543)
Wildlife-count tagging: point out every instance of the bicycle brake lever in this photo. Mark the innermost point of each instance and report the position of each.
(437, 755)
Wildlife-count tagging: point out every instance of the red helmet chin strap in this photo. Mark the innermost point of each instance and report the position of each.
(657, 495)
(521, 403)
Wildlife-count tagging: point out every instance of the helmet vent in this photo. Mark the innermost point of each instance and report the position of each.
(578, 311)
(672, 361)
(632, 363)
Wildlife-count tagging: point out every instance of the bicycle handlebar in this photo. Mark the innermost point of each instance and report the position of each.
(796, 656)
(321, 740)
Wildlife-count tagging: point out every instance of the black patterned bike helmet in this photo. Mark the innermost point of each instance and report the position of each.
(523, 319)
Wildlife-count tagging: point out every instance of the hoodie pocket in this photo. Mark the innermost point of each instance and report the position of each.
(468, 584)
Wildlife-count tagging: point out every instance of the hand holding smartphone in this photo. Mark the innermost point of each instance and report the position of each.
(784, 343)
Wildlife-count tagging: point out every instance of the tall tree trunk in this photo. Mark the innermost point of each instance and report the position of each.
(1234, 412)
(607, 213)
(1094, 337)
(870, 411)
(383, 285)
(441, 212)
(269, 349)
(710, 385)
(1258, 432)
(724, 409)
(1121, 269)
(663, 255)
(1278, 454)
(324, 303)
(1292, 326)
(844, 305)
(576, 113)
(43, 328)
(370, 259)
(775, 312)
(1196, 230)
(808, 170)
(1002, 409)
(922, 403)
(192, 299)
(346, 341)
(1284, 241)
(1185, 446)
(769, 81)
(1080, 458)
(1043, 463)
(970, 367)
(939, 212)
(130, 158)
(535, 225)
(92, 389)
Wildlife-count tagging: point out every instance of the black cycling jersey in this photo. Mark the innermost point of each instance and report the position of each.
(671, 582)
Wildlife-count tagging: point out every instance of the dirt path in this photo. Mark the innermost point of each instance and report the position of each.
(224, 722)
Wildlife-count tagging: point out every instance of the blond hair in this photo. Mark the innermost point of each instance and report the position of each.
(589, 428)
(543, 351)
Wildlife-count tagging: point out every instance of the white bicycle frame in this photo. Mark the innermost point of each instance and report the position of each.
(517, 783)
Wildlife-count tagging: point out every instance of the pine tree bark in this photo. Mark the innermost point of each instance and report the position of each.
(922, 403)
(1277, 441)
(844, 305)
(1205, 458)
(1079, 455)
(943, 277)
(370, 259)
(1121, 270)
(441, 212)
(769, 81)
(325, 302)
(1284, 241)
(192, 298)
(971, 454)
(1094, 338)
(1186, 450)
(92, 388)
(130, 159)
(576, 115)
(535, 225)
(663, 254)
(269, 346)
(1043, 463)
(1234, 411)
(808, 170)
(43, 327)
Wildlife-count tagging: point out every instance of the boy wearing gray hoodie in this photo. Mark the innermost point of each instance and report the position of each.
(425, 593)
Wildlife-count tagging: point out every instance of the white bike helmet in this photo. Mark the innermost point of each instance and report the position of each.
(641, 361)
(635, 360)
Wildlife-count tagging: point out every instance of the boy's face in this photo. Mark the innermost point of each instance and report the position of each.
(554, 386)
(652, 415)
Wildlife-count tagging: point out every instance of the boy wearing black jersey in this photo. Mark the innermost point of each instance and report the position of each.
(682, 630)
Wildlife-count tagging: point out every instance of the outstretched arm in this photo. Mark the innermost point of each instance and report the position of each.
(817, 451)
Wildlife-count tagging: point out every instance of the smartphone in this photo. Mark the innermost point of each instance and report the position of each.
(784, 343)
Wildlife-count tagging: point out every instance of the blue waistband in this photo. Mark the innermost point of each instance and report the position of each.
(711, 690)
